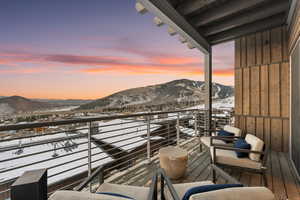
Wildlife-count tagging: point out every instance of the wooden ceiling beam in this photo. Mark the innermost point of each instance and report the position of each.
(188, 7)
(261, 25)
(169, 15)
(248, 17)
(226, 9)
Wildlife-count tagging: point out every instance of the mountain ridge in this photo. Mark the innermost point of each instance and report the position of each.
(180, 90)
(15, 104)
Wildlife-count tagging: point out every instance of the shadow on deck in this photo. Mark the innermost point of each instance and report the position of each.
(281, 178)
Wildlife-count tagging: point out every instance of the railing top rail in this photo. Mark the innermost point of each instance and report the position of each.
(85, 120)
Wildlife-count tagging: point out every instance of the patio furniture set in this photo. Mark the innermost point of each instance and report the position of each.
(227, 149)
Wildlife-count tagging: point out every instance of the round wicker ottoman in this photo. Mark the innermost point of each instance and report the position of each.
(174, 161)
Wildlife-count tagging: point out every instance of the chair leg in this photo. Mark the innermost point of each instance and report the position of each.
(201, 147)
(213, 175)
(265, 179)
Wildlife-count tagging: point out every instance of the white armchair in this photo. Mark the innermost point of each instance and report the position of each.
(177, 191)
(254, 162)
(206, 140)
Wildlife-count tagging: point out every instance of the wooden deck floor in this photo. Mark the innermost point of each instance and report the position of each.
(281, 178)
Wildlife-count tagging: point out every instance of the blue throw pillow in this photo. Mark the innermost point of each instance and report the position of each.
(207, 188)
(241, 144)
(115, 195)
(224, 133)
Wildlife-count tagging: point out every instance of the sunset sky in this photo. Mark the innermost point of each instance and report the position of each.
(88, 49)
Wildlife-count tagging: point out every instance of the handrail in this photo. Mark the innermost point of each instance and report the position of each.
(90, 119)
(84, 120)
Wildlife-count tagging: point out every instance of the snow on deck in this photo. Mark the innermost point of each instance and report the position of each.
(64, 155)
(188, 131)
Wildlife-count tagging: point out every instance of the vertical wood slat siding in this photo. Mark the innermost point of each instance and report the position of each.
(262, 86)
(237, 53)
(258, 49)
(285, 89)
(264, 90)
(243, 52)
(238, 91)
(246, 91)
(276, 134)
(274, 90)
(254, 91)
(276, 45)
(266, 47)
(251, 50)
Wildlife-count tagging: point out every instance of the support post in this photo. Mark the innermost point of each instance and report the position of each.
(197, 133)
(168, 133)
(148, 140)
(91, 129)
(177, 129)
(208, 90)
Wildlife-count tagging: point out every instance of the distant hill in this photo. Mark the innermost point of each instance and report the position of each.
(15, 104)
(175, 91)
(64, 102)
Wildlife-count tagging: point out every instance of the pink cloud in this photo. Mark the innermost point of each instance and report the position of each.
(152, 64)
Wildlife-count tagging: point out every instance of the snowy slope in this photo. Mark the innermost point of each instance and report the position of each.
(128, 138)
(52, 163)
(124, 134)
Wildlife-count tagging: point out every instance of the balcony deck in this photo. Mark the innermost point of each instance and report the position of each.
(281, 178)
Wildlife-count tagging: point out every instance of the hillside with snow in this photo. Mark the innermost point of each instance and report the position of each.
(182, 90)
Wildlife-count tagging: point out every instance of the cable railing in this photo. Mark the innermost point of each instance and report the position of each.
(118, 142)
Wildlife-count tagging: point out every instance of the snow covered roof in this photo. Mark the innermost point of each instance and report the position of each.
(72, 156)
(124, 134)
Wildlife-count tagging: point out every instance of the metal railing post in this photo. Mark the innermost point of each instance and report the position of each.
(177, 129)
(90, 132)
(148, 140)
(196, 124)
(169, 140)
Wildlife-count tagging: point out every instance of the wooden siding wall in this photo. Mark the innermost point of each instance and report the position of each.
(262, 86)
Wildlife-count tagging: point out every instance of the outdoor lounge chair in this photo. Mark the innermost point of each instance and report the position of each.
(207, 140)
(106, 191)
(255, 161)
(177, 191)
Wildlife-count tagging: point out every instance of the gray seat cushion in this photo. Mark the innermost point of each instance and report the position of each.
(206, 141)
(243, 193)
(140, 193)
(229, 157)
(73, 195)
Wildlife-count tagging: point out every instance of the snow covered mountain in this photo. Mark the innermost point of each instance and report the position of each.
(182, 90)
(15, 104)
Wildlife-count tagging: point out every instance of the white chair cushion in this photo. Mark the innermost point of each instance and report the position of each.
(256, 145)
(73, 195)
(206, 141)
(243, 193)
(236, 131)
(182, 188)
(135, 192)
(229, 157)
